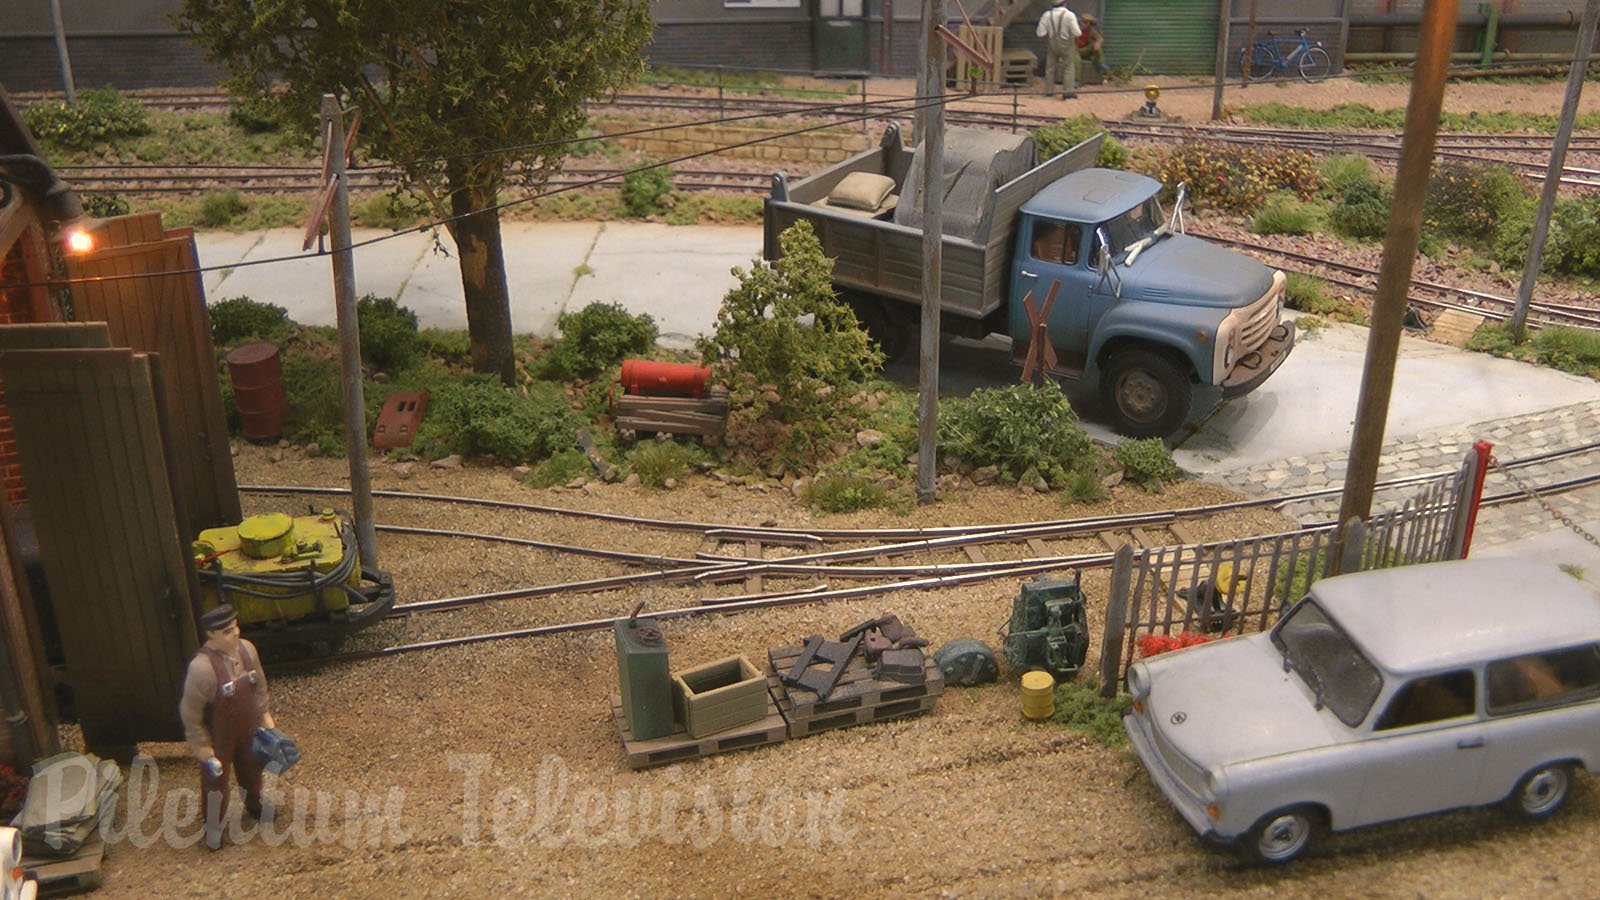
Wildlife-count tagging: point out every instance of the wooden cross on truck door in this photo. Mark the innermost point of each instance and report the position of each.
(1041, 355)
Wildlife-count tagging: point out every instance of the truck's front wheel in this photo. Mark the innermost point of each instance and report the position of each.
(1145, 394)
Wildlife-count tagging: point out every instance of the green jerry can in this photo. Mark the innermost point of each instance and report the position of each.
(646, 681)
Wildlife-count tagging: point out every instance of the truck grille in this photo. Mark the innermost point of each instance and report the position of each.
(1262, 316)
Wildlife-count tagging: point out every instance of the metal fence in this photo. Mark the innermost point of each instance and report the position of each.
(1233, 587)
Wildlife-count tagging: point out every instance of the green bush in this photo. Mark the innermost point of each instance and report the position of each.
(476, 415)
(1285, 215)
(103, 205)
(1081, 708)
(450, 346)
(1083, 486)
(316, 402)
(388, 331)
(1238, 179)
(657, 461)
(250, 120)
(389, 209)
(594, 339)
(99, 117)
(1054, 139)
(1342, 171)
(1568, 349)
(238, 319)
(643, 190)
(846, 492)
(1344, 115)
(1467, 201)
(1017, 428)
(220, 208)
(783, 326)
(560, 469)
(1363, 214)
(1146, 461)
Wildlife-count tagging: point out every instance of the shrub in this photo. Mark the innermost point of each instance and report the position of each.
(99, 116)
(316, 402)
(220, 208)
(1284, 215)
(1016, 428)
(1340, 172)
(388, 331)
(657, 461)
(842, 493)
(1467, 201)
(1054, 139)
(1344, 115)
(237, 319)
(477, 415)
(1081, 708)
(103, 205)
(1363, 214)
(389, 209)
(249, 119)
(560, 469)
(1568, 349)
(449, 346)
(1147, 461)
(595, 338)
(643, 190)
(1238, 179)
(783, 326)
(1083, 486)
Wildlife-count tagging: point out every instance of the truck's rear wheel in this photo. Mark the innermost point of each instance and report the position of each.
(888, 330)
(1145, 394)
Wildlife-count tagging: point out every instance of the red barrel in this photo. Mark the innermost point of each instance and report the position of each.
(643, 376)
(258, 390)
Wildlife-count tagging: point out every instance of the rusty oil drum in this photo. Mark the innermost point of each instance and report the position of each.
(258, 391)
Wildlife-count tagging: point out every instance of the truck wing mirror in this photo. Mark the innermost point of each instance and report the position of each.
(1103, 265)
(1175, 224)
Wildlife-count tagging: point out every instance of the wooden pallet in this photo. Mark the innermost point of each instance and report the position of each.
(705, 416)
(680, 746)
(858, 698)
(73, 875)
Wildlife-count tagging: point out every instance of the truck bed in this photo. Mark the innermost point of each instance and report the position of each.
(878, 256)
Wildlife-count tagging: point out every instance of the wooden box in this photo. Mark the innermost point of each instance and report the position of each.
(719, 695)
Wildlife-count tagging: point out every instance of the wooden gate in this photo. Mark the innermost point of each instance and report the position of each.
(89, 428)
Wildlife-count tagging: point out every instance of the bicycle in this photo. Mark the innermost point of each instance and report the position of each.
(1306, 57)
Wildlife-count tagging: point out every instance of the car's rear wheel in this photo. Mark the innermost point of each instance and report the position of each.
(1542, 792)
(1281, 836)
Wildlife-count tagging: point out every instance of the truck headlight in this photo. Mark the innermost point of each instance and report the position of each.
(1138, 685)
(1226, 349)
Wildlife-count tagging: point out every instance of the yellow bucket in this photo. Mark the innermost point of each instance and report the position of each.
(1038, 695)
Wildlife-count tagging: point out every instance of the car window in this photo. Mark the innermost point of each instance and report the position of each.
(1338, 673)
(1543, 679)
(1134, 225)
(1433, 698)
(1056, 242)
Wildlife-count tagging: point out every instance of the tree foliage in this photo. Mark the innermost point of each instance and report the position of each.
(464, 97)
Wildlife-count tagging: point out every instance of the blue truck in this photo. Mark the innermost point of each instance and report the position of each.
(1142, 311)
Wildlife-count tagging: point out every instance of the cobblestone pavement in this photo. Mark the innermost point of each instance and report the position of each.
(1514, 437)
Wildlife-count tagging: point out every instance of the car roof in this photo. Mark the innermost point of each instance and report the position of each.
(1091, 195)
(1436, 616)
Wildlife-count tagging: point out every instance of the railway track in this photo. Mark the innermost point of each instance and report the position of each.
(734, 569)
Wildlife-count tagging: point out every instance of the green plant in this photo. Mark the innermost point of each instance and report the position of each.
(103, 205)
(561, 468)
(477, 415)
(657, 461)
(389, 209)
(251, 120)
(1363, 213)
(99, 116)
(238, 319)
(1017, 428)
(1081, 708)
(1147, 461)
(316, 402)
(219, 208)
(1285, 215)
(1342, 171)
(1083, 486)
(783, 326)
(1054, 139)
(452, 347)
(846, 492)
(644, 190)
(594, 339)
(388, 332)
(1467, 201)
(1568, 349)
(1238, 179)
(1573, 570)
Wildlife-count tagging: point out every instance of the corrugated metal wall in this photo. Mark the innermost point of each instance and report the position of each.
(1169, 37)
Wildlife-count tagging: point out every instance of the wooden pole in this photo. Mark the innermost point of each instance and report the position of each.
(62, 56)
(930, 132)
(1224, 13)
(1558, 162)
(1399, 253)
(344, 295)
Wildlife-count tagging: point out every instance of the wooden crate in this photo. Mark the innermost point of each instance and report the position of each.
(719, 695)
(680, 746)
(856, 699)
(706, 416)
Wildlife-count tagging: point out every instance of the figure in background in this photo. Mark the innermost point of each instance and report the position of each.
(1059, 26)
(1091, 47)
(224, 702)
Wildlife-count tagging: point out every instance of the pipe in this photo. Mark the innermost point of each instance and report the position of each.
(1464, 56)
(1567, 19)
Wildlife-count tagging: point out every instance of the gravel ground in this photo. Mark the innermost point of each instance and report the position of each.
(494, 770)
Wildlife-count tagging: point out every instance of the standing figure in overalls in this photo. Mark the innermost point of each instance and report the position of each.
(1059, 26)
(224, 702)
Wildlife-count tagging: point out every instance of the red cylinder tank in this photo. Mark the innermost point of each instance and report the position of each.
(258, 391)
(643, 376)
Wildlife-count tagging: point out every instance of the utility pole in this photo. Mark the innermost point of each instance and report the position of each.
(930, 131)
(61, 51)
(1399, 253)
(344, 295)
(1558, 162)
(1224, 14)
(1249, 48)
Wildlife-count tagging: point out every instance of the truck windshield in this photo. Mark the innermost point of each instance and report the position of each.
(1339, 675)
(1133, 226)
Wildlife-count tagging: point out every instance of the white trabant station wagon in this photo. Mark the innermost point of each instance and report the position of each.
(1381, 695)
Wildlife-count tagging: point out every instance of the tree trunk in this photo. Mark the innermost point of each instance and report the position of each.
(483, 281)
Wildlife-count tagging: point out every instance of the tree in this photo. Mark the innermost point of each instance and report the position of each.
(466, 96)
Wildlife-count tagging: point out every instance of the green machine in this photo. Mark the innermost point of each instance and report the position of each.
(1049, 628)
